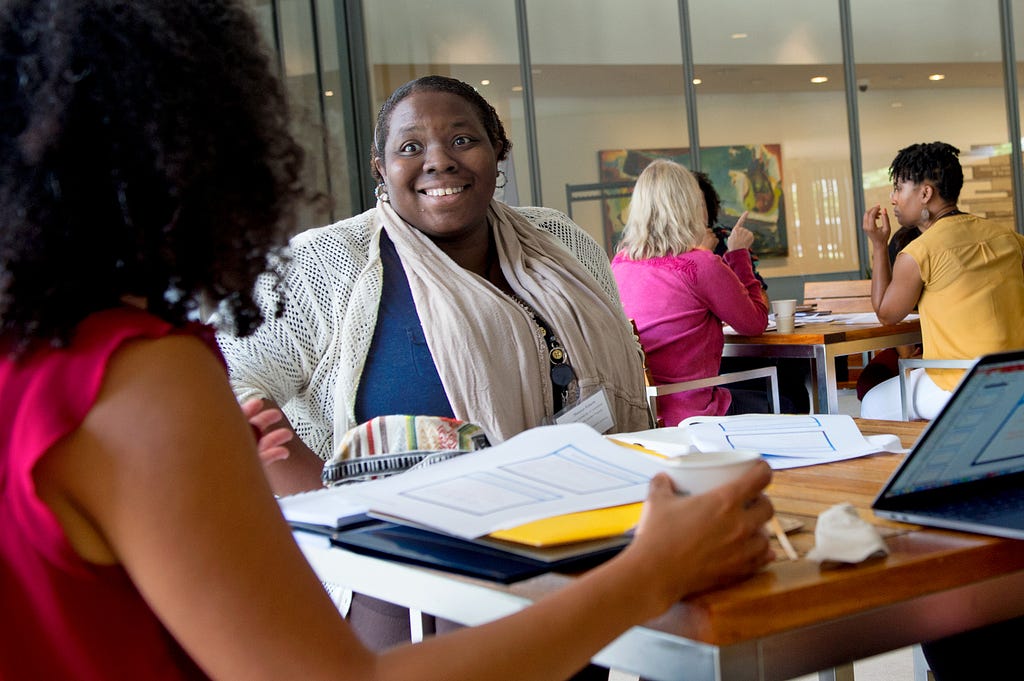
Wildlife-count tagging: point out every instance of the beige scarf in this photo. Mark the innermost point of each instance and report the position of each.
(493, 365)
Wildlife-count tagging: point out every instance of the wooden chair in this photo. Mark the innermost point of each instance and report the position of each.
(842, 297)
(655, 391)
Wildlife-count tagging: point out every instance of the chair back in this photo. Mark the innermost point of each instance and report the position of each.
(652, 407)
(906, 365)
(770, 373)
(853, 295)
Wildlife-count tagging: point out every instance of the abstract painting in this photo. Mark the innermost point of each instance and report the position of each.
(747, 178)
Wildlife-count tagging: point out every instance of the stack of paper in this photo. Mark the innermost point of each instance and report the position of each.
(785, 440)
(551, 474)
(557, 497)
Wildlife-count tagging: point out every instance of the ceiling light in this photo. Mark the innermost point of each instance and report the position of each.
(937, 76)
(697, 81)
(819, 79)
(485, 82)
(517, 88)
(738, 36)
(328, 93)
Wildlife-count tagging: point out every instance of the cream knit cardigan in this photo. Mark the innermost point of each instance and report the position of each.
(331, 295)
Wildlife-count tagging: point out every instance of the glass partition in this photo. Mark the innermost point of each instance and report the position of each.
(472, 40)
(608, 93)
(304, 35)
(772, 113)
(933, 71)
(608, 89)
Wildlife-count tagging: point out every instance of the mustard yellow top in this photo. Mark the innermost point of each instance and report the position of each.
(973, 298)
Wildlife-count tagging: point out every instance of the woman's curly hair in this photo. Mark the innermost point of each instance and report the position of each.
(937, 162)
(144, 152)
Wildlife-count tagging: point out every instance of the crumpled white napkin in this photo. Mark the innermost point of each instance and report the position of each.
(842, 536)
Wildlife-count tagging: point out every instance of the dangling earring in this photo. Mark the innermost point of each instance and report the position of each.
(381, 192)
(925, 214)
(503, 177)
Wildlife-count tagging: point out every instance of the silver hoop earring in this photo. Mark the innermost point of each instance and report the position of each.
(381, 192)
(925, 214)
(503, 177)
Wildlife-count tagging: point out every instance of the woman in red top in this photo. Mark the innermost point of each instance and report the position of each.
(146, 166)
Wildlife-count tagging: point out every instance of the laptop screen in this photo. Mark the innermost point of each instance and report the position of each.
(979, 434)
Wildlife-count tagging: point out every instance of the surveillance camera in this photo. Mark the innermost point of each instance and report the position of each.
(862, 84)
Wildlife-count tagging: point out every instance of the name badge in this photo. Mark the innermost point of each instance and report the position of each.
(594, 411)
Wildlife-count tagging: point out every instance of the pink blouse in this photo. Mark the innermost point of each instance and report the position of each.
(679, 303)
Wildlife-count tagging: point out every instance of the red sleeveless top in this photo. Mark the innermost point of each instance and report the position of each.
(62, 617)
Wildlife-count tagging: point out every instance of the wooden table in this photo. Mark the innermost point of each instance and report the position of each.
(793, 618)
(822, 343)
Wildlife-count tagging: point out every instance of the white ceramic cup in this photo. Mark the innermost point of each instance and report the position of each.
(698, 472)
(784, 308)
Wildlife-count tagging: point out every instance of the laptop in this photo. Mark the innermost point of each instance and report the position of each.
(966, 472)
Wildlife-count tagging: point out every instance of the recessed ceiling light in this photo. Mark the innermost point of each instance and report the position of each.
(517, 88)
(819, 79)
(937, 76)
(328, 93)
(738, 36)
(697, 81)
(485, 82)
(897, 105)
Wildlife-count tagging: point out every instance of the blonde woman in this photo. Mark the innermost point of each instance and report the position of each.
(679, 292)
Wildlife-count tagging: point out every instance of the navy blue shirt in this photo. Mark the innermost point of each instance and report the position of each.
(400, 376)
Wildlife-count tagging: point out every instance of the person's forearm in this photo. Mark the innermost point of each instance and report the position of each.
(578, 620)
(881, 274)
(300, 472)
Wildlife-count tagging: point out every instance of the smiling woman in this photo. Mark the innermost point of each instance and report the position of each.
(429, 303)
(439, 301)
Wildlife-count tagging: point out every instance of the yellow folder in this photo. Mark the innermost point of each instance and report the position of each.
(574, 527)
(583, 526)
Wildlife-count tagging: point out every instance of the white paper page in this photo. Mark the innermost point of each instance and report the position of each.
(866, 318)
(879, 443)
(664, 441)
(540, 473)
(726, 329)
(815, 317)
(320, 507)
(786, 440)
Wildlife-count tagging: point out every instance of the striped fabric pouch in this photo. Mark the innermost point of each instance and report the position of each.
(386, 445)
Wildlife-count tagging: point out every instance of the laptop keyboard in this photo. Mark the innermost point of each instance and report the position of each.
(1001, 503)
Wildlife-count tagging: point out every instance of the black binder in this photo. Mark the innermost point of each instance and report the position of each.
(425, 548)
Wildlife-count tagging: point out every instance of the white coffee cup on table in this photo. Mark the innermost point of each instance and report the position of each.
(785, 314)
(784, 308)
(701, 471)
